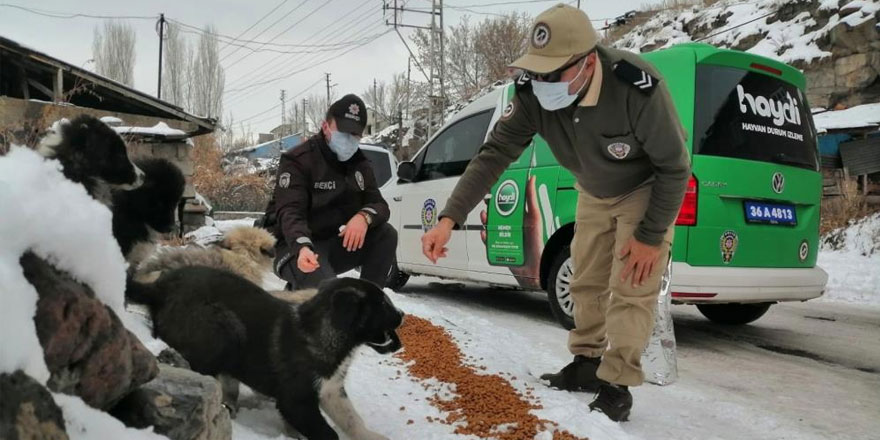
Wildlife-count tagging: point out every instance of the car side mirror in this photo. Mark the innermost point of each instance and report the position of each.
(406, 171)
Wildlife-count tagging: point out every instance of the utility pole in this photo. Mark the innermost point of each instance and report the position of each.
(328, 89)
(305, 124)
(435, 76)
(160, 26)
(375, 102)
(283, 113)
(408, 86)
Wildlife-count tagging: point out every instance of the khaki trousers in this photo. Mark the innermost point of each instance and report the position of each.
(612, 319)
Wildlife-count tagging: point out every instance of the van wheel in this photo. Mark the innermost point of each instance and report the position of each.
(733, 314)
(396, 279)
(559, 289)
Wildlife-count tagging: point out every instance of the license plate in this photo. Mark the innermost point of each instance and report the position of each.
(772, 213)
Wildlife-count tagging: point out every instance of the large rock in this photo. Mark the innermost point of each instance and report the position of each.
(88, 351)
(180, 404)
(27, 410)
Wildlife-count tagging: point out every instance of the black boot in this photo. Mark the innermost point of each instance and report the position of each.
(579, 375)
(614, 401)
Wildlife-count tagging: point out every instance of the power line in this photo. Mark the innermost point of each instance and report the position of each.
(327, 34)
(252, 26)
(257, 85)
(283, 66)
(321, 6)
(737, 26)
(279, 105)
(315, 48)
(288, 75)
(66, 15)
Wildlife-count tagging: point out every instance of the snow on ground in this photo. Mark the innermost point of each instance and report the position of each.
(867, 115)
(851, 256)
(83, 422)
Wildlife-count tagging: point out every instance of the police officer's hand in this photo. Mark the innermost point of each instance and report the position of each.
(354, 233)
(434, 241)
(642, 259)
(307, 261)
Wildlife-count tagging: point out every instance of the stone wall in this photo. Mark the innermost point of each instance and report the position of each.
(851, 76)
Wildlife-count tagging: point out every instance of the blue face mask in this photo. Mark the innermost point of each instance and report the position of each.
(554, 95)
(343, 144)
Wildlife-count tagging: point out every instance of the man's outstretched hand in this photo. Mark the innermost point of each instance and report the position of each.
(307, 261)
(434, 241)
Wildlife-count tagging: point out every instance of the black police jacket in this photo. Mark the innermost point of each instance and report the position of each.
(315, 194)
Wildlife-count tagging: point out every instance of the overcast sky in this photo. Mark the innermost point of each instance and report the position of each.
(320, 22)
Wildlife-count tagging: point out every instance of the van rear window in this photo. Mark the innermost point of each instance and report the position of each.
(749, 115)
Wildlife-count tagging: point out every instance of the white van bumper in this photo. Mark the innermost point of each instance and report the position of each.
(697, 284)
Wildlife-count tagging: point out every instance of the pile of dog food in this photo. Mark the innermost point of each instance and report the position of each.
(484, 405)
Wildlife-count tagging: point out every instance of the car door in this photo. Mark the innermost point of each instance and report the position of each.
(438, 168)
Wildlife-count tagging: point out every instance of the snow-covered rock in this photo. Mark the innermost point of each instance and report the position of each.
(833, 41)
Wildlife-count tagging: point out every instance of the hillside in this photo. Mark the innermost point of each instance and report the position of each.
(835, 42)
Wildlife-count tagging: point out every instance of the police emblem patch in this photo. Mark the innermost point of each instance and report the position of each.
(541, 35)
(284, 180)
(360, 179)
(354, 109)
(429, 215)
(509, 110)
(619, 150)
(804, 251)
(729, 243)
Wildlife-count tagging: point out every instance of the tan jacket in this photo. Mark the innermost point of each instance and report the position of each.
(625, 132)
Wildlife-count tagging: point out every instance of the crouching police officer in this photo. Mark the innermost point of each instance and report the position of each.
(609, 119)
(329, 216)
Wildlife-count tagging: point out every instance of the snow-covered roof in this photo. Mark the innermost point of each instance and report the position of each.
(862, 116)
(160, 130)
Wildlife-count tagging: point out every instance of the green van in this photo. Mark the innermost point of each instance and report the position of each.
(747, 234)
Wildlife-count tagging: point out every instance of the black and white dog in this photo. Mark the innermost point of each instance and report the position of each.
(298, 354)
(91, 154)
(139, 215)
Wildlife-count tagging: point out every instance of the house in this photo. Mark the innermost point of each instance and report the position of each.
(270, 149)
(849, 145)
(37, 89)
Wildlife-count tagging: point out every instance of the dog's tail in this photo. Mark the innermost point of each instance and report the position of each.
(142, 293)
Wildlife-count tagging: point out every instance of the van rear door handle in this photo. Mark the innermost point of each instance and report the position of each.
(397, 198)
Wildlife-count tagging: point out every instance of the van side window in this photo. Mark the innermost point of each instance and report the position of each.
(449, 153)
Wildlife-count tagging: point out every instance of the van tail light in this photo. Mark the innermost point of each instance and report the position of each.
(687, 215)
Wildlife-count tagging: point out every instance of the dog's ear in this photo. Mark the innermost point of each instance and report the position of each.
(347, 311)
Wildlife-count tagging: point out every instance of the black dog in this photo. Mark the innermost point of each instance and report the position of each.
(298, 354)
(141, 213)
(91, 154)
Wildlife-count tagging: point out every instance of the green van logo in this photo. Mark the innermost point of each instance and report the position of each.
(506, 198)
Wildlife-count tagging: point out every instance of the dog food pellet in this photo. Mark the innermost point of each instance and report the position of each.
(484, 405)
(409, 422)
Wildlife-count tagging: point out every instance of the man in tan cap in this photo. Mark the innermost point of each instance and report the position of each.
(609, 119)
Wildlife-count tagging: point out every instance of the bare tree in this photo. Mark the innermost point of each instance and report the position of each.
(208, 78)
(499, 41)
(466, 69)
(316, 109)
(387, 99)
(175, 75)
(113, 51)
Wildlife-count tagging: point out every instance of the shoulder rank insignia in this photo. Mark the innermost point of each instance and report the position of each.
(632, 74)
(523, 81)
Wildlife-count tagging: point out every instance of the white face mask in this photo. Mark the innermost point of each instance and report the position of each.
(343, 144)
(554, 95)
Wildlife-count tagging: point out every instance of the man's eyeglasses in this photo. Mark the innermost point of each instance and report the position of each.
(555, 75)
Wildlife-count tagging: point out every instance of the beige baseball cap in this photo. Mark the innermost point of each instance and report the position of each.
(558, 35)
